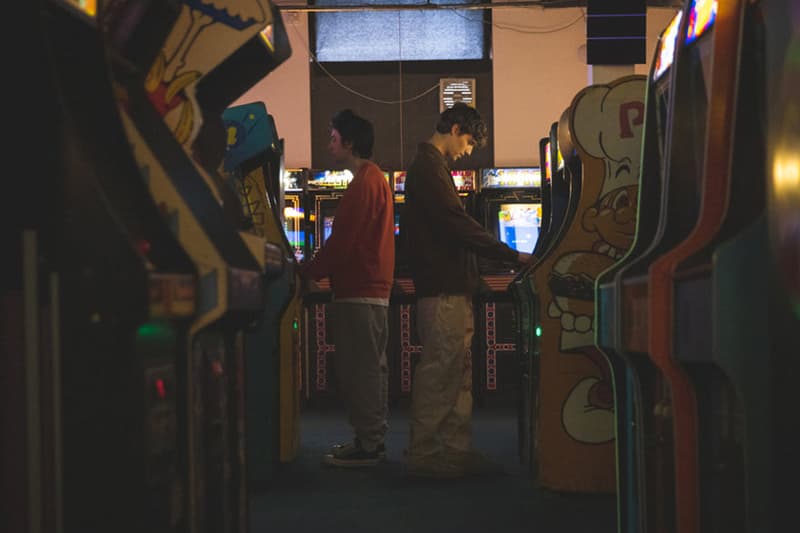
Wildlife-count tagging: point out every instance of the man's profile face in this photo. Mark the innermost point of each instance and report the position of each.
(339, 151)
(460, 144)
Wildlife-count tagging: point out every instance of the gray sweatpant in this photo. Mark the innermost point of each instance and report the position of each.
(361, 333)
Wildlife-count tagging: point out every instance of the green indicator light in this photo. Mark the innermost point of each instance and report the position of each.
(155, 332)
(295, 325)
(538, 331)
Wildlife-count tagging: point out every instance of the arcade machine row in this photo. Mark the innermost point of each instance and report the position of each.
(691, 212)
(175, 71)
(106, 294)
(706, 387)
(254, 165)
(324, 190)
(509, 205)
(674, 401)
(718, 277)
(574, 403)
(404, 344)
(634, 386)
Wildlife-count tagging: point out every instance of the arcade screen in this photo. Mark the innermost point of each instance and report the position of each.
(400, 181)
(494, 178)
(89, 7)
(330, 179)
(666, 46)
(698, 54)
(293, 179)
(702, 14)
(548, 164)
(292, 226)
(464, 179)
(327, 228)
(518, 225)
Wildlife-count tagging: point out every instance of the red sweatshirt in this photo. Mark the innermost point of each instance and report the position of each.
(358, 256)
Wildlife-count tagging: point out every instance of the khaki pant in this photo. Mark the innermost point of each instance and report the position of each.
(361, 333)
(441, 392)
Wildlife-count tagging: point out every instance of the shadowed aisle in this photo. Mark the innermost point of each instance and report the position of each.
(308, 497)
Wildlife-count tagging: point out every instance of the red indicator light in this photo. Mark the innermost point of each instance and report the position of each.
(216, 368)
(143, 247)
(161, 389)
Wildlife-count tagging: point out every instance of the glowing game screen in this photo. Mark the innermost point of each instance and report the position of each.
(327, 228)
(702, 14)
(560, 160)
(397, 223)
(548, 164)
(666, 47)
(464, 179)
(518, 225)
(293, 222)
(87, 6)
(331, 179)
(400, 181)
(293, 179)
(499, 178)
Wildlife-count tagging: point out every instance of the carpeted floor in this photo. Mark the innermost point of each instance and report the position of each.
(308, 497)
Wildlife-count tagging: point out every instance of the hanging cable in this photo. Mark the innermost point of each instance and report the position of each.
(451, 7)
(353, 91)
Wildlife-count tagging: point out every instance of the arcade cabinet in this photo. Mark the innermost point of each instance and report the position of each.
(523, 314)
(510, 207)
(575, 403)
(254, 164)
(172, 83)
(105, 296)
(711, 287)
(634, 376)
(680, 280)
(561, 203)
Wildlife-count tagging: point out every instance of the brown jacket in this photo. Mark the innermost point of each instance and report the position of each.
(441, 238)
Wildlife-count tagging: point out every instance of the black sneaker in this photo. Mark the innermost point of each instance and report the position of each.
(353, 456)
(339, 449)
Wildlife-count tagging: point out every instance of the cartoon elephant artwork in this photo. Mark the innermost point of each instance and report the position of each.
(576, 399)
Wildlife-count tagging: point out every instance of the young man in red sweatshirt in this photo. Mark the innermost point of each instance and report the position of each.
(358, 257)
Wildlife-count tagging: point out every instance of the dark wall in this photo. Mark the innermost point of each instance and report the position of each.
(399, 128)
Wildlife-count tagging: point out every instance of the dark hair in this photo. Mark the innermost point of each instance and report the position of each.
(468, 119)
(355, 130)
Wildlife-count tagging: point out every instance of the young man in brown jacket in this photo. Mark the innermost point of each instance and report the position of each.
(444, 241)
